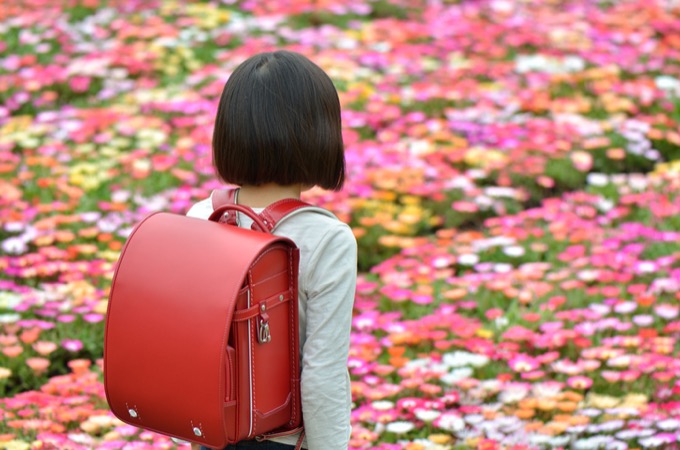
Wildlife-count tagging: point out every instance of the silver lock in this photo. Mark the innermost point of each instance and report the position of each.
(133, 413)
(198, 432)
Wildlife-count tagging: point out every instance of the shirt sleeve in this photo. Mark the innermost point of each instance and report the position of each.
(325, 383)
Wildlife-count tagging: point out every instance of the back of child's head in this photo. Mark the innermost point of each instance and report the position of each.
(278, 121)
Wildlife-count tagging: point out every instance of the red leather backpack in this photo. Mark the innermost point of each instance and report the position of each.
(201, 336)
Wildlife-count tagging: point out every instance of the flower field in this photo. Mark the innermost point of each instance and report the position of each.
(513, 183)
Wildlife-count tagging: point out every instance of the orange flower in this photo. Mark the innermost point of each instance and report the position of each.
(79, 366)
(430, 389)
(525, 413)
(645, 299)
(44, 348)
(567, 406)
(647, 333)
(30, 336)
(13, 351)
(527, 403)
(546, 404)
(38, 365)
(455, 294)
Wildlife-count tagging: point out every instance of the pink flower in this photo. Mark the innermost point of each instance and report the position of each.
(79, 83)
(494, 313)
(582, 161)
(579, 382)
(523, 363)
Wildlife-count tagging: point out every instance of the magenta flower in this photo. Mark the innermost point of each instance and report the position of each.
(72, 345)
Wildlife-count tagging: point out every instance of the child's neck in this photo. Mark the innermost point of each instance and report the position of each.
(265, 195)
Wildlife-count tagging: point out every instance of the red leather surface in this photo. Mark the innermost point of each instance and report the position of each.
(169, 321)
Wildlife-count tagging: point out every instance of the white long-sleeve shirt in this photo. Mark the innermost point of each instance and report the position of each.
(326, 288)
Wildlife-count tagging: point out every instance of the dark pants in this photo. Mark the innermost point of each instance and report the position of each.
(256, 445)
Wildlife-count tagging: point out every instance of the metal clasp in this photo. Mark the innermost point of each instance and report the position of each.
(263, 333)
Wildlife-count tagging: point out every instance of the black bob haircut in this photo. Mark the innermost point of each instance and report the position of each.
(278, 121)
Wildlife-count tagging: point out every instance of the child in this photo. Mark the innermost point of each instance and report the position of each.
(278, 133)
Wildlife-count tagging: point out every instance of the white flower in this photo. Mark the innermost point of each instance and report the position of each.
(646, 267)
(427, 415)
(502, 267)
(574, 64)
(539, 439)
(484, 202)
(667, 83)
(597, 179)
(456, 375)
(653, 442)
(666, 311)
(468, 259)
(638, 183)
(450, 422)
(627, 435)
(588, 275)
(499, 191)
(474, 419)
(496, 241)
(14, 246)
(514, 251)
(625, 307)
(14, 227)
(611, 426)
(616, 445)
(9, 300)
(382, 405)
(510, 395)
(643, 320)
(668, 285)
(604, 205)
(600, 309)
(460, 359)
(120, 196)
(668, 424)
(590, 412)
(9, 318)
(399, 427)
(559, 441)
(81, 438)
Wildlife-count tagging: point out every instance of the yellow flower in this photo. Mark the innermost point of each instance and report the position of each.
(15, 124)
(15, 445)
(440, 438)
(635, 400)
(484, 157)
(5, 373)
(101, 307)
(602, 401)
(484, 333)
(208, 15)
(672, 167)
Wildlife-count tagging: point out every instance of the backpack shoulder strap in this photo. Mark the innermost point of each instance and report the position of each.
(221, 197)
(272, 215)
(284, 209)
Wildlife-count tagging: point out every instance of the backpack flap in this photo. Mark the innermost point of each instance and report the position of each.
(170, 311)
